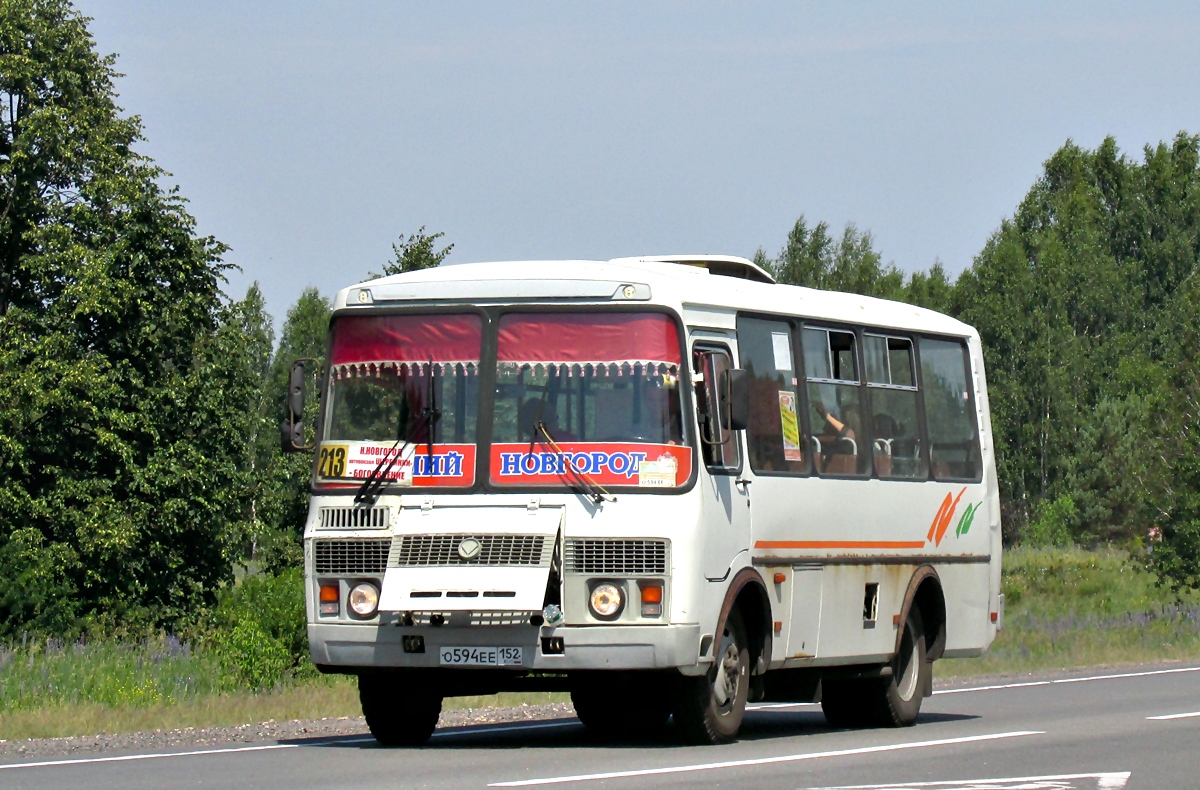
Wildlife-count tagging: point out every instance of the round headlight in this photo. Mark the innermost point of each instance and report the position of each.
(364, 599)
(606, 600)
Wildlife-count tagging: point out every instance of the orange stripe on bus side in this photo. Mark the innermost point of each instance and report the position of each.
(840, 544)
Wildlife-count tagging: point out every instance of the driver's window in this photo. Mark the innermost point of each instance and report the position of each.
(719, 446)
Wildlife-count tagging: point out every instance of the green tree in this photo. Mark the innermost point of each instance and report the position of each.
(285, 476)
(813, 258)
(121, 441)
(1080, 300)
(250, 318)
(417, 251)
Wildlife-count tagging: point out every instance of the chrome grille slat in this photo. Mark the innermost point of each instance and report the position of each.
(355, 518)
(616, 557)
(495, 550)
(351, 555)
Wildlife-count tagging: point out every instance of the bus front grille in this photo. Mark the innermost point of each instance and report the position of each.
(355, 517)
(353, 555)
(500, 550)
(616, 557)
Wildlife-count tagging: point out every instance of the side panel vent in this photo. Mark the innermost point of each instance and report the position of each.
(351, 556)
(616, 557)
(355, 518)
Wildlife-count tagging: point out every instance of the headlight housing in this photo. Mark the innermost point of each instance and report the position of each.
(606, 601)
(363, 599)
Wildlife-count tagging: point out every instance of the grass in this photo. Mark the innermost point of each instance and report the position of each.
(1065, 608)
(1072, 608)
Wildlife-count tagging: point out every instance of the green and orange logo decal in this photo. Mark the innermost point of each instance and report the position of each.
(945, 515)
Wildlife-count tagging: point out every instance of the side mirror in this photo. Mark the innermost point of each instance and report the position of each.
(291, 436)
(735, 392)
(292, 429)
(296, 392)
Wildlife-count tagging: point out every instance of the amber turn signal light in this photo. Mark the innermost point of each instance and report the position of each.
(652, 596)
(329, 606)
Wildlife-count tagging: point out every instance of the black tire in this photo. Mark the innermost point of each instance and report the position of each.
(847, 703)
(900, 701)
(396, 715)
(709, 709)
(622, 708)
(892, 701)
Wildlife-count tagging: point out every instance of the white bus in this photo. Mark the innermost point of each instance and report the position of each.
(666, 485)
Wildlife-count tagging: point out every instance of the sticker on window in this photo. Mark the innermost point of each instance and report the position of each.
(781, 348)
(791, 426)
(604, 463)
(659, 473)
(407, 465)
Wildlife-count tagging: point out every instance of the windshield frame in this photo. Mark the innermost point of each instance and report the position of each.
(487, 398)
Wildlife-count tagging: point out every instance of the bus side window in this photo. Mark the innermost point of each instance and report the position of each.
(719, 447)
(895, 429)
(834, 399)
(774, 442)
(949, 410)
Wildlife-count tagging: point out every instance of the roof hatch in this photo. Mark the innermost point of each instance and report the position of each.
(723, 265)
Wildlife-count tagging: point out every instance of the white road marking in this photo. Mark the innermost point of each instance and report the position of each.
(542, 725)
(787, 758)
(127, 757)
(1069, 680)
(271, 746)
(1104, 781)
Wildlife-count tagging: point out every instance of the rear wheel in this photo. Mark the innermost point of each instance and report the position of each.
(397, 715)
(900, 701)
(892, 701)
(709, 709)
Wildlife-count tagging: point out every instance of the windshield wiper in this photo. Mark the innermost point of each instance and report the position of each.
(373, 485)
(589, 487)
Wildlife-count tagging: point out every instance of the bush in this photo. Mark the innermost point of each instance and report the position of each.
(1052, 523)
(249, 657)
(259, 630)
(1176, 559)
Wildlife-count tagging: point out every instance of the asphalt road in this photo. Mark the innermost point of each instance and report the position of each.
(1135, 729)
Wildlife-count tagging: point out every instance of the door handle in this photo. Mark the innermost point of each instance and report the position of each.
(743, 484)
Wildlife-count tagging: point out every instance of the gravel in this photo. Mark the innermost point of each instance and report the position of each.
(246, 734)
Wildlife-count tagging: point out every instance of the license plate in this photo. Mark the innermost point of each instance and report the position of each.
(480, 656)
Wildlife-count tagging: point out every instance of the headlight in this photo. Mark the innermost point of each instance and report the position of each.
(606, 601)
(364, 599)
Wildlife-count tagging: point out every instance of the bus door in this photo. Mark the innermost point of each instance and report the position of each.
(725, 508)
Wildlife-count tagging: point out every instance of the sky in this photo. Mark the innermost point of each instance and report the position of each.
(310, 136)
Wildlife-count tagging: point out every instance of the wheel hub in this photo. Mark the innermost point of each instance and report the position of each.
(728, 675)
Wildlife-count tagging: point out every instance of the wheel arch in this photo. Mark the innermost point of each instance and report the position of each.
(925, 592)
(748, 593)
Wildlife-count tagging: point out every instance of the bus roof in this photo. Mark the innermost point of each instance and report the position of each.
(707, 282)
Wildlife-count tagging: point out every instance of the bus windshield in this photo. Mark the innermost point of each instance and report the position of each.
(597, 390)
(409, 381)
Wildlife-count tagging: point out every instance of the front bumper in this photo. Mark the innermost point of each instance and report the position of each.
(590, 647)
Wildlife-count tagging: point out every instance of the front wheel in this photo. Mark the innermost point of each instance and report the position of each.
(709, 709)
(397, 715)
